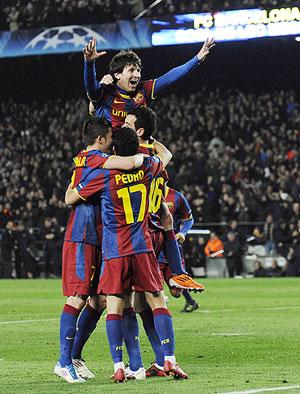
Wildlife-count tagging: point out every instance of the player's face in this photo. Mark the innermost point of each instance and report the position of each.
(130, 122)
(106, 142)
(129, 77)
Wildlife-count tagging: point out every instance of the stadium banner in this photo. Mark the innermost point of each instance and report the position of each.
(63, 39)
(226, 26)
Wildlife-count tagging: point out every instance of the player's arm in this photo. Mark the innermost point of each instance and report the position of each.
(177, 73)
(125, 163)
(186, 218)
(93, 88)
(92, 184)
(164, 154)
(71, 197)
(187, 224)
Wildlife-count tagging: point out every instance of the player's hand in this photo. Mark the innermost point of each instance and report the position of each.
(107, 80)
(90, 51)
(207, 46)
(180, 238)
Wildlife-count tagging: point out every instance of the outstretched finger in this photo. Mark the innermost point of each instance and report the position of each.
(89, 45)
(99, 54)
(94, 43)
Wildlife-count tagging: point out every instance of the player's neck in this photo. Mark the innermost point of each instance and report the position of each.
(95, 146)
(122, 90)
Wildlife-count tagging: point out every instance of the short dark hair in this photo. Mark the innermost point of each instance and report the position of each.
(93, 127)
(146, 119)
(125, 141)
(122, 59)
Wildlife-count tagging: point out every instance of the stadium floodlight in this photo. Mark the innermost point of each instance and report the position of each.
(141, 14)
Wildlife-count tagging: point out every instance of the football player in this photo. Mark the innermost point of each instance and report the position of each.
(122, 90)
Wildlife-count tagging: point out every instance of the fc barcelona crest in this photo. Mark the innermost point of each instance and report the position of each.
(138, 98)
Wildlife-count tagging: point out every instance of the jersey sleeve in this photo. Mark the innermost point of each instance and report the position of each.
(184, 207)
(93, 88)
(149, 89)
(155, 165)
(92, 184)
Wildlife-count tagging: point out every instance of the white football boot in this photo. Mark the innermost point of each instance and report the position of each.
(82, 370)
(68, 373)
(140, 374)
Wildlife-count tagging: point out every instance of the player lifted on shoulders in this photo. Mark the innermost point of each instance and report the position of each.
(122, 89)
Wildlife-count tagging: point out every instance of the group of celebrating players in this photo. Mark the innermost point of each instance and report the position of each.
(121, 226)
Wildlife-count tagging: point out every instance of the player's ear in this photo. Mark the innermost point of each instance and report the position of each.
(140, 132)
(98, 139)
(117, 76)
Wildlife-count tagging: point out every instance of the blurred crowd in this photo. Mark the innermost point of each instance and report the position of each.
(17, 14)
(236, 159)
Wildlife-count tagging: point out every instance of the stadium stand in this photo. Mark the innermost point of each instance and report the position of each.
(236, 159)
(16, 15)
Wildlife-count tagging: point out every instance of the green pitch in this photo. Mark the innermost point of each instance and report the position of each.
(245, 335)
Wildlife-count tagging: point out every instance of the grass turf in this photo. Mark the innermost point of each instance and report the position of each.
(245, 335)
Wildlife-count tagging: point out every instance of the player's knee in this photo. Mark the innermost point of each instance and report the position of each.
(77, 301)
(156, 299)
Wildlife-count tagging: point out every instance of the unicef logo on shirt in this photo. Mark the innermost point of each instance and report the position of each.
(64, 37)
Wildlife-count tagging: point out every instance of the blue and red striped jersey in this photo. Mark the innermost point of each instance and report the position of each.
(179, 207)
(180, 210)
(115, 103)
(157, 191)
(85, 223)
(124, 207)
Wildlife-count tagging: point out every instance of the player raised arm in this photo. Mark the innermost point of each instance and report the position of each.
(164, 154)
(92, 86)
(177, 73)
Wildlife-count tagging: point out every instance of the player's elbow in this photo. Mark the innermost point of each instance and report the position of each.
(167, 157)
(70, 197)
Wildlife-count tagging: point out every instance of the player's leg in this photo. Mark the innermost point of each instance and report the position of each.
(136, 369)
(76, 277)
(86, 325)
(180, 278)
(115, 281)
(114, 331)
(89, 316)
(164, 328)
(146, 314)
(64, 367)
(147, 277)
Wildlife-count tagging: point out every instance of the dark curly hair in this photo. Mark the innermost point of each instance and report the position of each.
(146, 119)
(125, 141)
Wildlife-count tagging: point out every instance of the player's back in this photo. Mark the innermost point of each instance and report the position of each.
(178, 207)
(124, 206)
(85, 223)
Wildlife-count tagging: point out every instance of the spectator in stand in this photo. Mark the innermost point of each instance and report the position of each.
(274, 270)
(50, 236)
(253, 177)
(259, 270)
(7, 250)
(214, 246)
(40, 13)
(269, 227)
(233, 255)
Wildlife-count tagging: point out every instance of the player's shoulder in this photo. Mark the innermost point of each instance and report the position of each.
(96, 158)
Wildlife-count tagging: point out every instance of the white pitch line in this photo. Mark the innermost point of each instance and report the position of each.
(24, 321)
(275, 308)
(267, 389)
